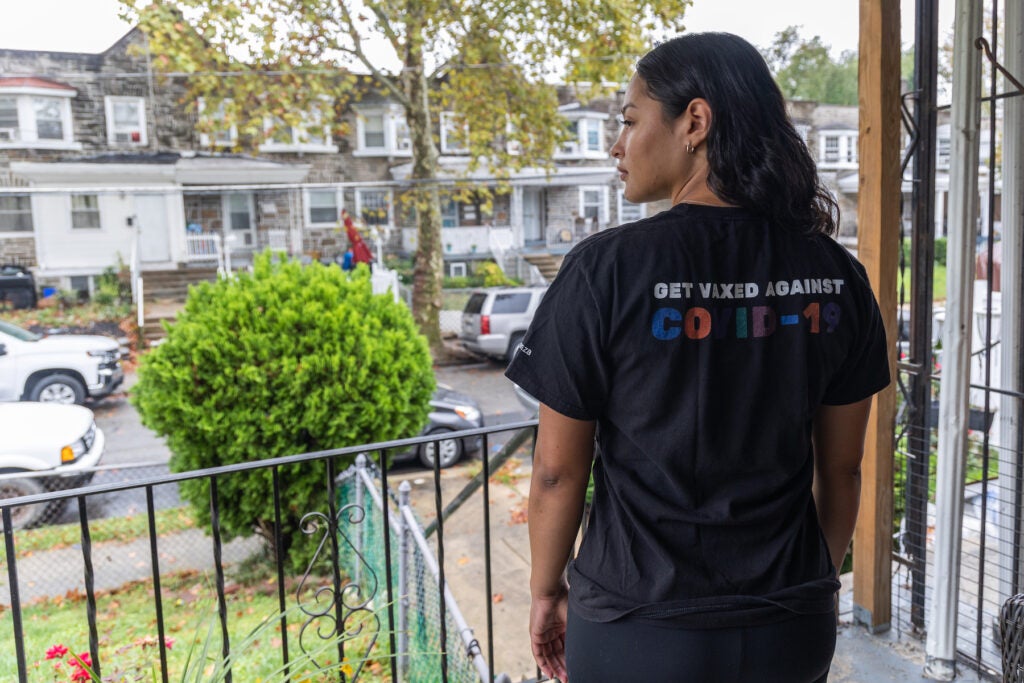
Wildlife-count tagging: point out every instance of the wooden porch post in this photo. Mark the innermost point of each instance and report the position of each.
(878, 230)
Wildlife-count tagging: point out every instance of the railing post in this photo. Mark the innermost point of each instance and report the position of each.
(361, 464)
(405, 548)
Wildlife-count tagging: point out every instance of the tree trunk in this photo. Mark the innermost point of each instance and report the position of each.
(428, 267)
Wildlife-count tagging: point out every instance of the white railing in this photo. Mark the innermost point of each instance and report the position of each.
(465, 241)
(203, 247)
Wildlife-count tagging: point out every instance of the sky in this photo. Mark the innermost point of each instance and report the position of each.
(93, 25)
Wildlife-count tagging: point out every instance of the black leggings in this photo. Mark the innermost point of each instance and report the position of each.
(797, 650)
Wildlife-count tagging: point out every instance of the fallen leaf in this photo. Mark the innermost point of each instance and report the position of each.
(463, 560)
(497, 597)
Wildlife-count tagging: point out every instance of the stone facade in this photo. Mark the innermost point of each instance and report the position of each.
(20, 251)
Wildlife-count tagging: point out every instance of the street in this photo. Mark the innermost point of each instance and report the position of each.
(129, 443)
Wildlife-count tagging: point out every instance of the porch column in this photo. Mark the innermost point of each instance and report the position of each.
(940, 646)
(516, 217)
(878, 230)
(1011, 431)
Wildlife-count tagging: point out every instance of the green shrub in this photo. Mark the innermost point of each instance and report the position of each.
(457, 282)
(288, 359)
(493, 275)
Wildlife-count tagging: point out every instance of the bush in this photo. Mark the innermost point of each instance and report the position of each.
(289, 359)
(493, 275)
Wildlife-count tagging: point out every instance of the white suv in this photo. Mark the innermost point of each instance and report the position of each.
(60, 368)
(494, 321)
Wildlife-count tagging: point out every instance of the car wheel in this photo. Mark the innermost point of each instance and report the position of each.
(58, 389)
(23, 516)
(450, 450)
(513, 346)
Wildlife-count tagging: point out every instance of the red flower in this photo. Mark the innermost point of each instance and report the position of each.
(81, 675)
(168, 642)
(56, 652)
(86, 658)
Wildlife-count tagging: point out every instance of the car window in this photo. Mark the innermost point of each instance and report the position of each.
(475, 303)
(18, 333)
(510, 303)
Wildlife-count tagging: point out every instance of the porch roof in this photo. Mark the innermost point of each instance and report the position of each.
(455, 168)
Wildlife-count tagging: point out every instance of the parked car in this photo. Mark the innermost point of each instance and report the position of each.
(494, 321)
(58, 368)
(17, 287)
(450, 411)
(45, 447)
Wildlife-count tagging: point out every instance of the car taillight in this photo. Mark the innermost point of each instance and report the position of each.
(485, 324)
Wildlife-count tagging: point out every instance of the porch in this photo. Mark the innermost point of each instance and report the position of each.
(387, 586)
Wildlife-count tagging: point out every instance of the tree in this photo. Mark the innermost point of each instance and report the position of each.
(805, 70)
(490, 62)
(289, 359)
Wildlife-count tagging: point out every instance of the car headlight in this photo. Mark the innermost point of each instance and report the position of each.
(468, 413)
(107, 356)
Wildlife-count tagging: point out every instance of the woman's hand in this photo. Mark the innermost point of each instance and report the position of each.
(547, 634)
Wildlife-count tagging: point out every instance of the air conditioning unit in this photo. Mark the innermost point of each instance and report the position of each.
(8, 134)
(131, 136)
(404, 144)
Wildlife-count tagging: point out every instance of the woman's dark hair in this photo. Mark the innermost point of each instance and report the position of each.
(757, 159)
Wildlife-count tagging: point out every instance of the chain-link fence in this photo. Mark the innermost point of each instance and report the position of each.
(415, 595)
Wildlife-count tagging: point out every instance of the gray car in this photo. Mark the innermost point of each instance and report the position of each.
(494, 320)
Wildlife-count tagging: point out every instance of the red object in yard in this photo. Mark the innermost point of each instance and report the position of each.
(360, 252)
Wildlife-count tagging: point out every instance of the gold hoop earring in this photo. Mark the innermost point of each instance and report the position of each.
(690, 148)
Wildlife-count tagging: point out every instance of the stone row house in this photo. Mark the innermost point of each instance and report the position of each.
(101, 162)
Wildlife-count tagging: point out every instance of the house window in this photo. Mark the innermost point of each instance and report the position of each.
(311, 133)
(374, 206)
(15, 213)
(457, 269)
(454, 134)
(9, 115)
(49, 120)
(572, 145)
(593, 129)
(382, 133)
(373, 132)
(593, 207)
(838, 148)
(213, 121)
(36, 115)
(943, 151)
(324, 207)
(85, 211)
(831, 149)
(628, 211)
(126, 121)
(449, 214)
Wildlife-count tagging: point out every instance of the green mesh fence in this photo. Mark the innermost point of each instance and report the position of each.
(363, 562)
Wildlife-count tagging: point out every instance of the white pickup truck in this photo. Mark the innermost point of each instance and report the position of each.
(59, 368)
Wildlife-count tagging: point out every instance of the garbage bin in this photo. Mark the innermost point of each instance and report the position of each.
(1011, 632)
(17, 287)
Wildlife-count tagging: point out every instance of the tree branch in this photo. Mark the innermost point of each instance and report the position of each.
(357, 51)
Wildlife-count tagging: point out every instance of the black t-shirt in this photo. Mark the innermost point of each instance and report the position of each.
(702, 340)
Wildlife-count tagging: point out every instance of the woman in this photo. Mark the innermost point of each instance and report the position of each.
(723, 354)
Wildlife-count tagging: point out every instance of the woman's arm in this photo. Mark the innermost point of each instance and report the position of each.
(561, 469)
(838, 435)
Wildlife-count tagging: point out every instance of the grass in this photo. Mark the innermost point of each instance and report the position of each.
(938, 283)
(127, 626)
(113, 529)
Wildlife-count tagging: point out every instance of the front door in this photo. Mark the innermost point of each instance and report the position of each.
(532, 218)
(154, 228)
(240, 221)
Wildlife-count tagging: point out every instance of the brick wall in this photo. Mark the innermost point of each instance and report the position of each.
(18, 250)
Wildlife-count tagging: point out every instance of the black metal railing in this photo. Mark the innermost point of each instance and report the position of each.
(330, 517)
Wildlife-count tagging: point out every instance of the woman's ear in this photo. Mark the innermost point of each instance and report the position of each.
(698, 121)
